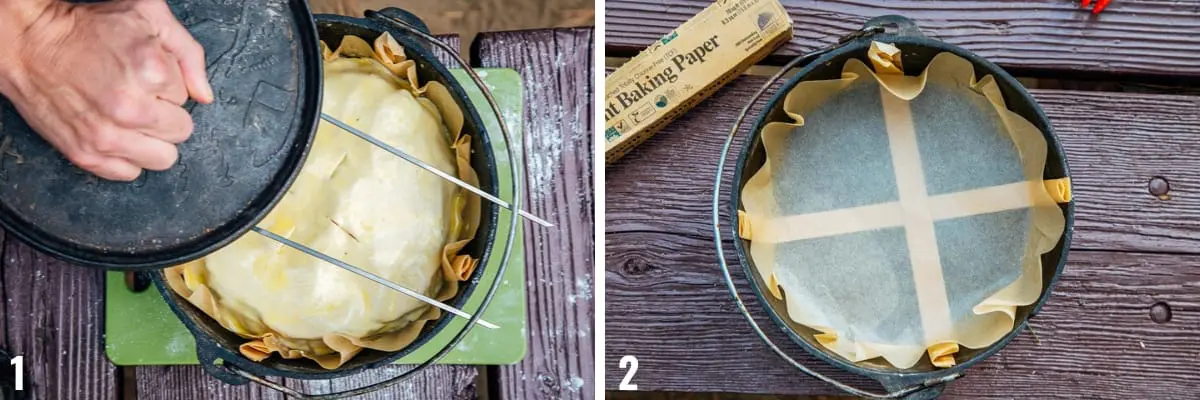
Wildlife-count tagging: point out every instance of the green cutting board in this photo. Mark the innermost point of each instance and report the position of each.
(140, 328)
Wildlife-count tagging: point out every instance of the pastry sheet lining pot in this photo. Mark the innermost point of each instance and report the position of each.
(217, 348)
(922, 380)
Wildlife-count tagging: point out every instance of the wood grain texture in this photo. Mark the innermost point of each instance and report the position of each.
(1115, 144)
(53, 317)
(1131, 36)
(556, 68)
(1094, 338)
(180, 382)
(441, 55)
(449, 382)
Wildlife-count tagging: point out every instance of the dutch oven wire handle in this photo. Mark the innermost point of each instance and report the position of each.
(898, 388)
(407, 22)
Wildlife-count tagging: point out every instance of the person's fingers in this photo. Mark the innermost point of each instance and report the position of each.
(158, 74)
(116, 169)
(70, 141)
(174, 89)
(156, 117)
(130, 107)
(180, 43)
(145, 151)
(110, 168)
(172, 123)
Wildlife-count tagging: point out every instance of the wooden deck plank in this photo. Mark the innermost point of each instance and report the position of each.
(455, 43)
(450, 382)
(1094, 338)
(556, 68)
(1115, 143)
(1131, 36)
(53, 317)
(179, 382)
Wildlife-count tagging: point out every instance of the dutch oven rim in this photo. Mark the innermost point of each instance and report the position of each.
(897, 378)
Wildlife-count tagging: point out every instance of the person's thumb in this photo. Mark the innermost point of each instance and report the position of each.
(179, 42)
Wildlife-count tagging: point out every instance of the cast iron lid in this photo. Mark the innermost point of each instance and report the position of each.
(265, 69)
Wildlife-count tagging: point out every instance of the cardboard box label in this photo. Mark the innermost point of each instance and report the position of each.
(686, 66)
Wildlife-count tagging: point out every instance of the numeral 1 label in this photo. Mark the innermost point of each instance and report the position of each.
(19, 362)
(630, 363)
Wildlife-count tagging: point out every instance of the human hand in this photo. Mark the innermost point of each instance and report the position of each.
(104, 82)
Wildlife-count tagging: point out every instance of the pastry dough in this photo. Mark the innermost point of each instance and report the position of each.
(359, 204)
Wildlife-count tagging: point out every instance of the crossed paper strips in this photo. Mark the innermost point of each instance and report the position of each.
(903, 215)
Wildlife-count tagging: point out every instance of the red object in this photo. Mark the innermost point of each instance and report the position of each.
(1086, 3)
(1099, 5)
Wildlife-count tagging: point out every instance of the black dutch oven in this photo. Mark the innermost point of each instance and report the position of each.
(217, 348)
(922, 381)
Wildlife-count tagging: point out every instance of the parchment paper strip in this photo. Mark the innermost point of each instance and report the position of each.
(986, 200)
(918, 222)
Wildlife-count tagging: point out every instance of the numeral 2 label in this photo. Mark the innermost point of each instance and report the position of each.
(630, 363)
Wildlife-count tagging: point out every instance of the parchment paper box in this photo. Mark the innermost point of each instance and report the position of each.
(686, 66)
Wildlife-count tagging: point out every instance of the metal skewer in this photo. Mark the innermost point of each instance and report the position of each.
(366, 274)
(399, 153)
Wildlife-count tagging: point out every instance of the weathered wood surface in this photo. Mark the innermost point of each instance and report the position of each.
(190, 382)
(556, 68)
(454, 43)
(449, 382)
(1094, 339)
(53, 316)
(1130, 36)
(666, 301)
